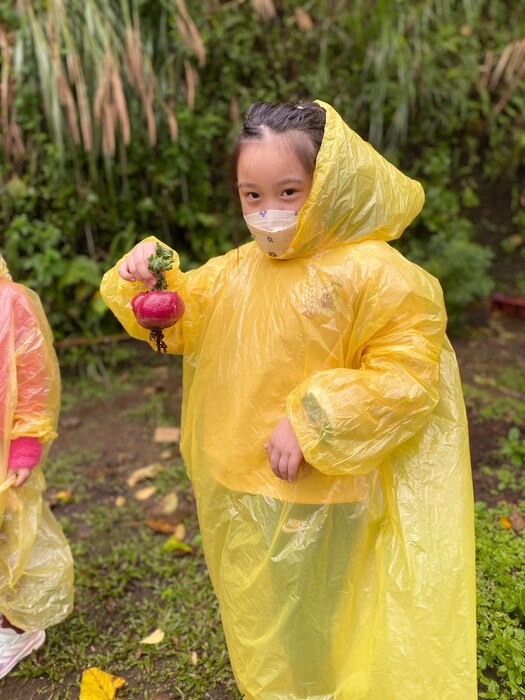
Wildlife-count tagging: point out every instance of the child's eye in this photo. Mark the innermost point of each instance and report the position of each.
(251, 196)
(289, 192)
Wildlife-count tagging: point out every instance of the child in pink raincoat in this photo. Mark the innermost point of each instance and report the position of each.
(36, 566)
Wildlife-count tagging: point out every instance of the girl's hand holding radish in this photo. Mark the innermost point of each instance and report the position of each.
(135, 266)
(157, 308)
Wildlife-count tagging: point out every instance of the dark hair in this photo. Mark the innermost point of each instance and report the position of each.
(264, 118)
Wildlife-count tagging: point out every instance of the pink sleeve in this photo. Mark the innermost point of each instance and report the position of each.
(25, 452)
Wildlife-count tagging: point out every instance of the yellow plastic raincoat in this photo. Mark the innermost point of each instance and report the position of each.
(36, 567)
(355, 582)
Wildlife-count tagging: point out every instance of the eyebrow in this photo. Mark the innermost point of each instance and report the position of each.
(284, 181)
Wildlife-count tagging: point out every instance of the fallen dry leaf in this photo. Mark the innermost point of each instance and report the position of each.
(180, 532)
(143, 473)
(153, 638)
(145, 493)
(163, 526)
(99, 473)
(517, 521)
(99, 685)
(166, 434)
(505, 523)
(120, 501)
(484, 381)
(59, 498)
(70, 422)
(194, 658)
(168, 504)
(64, 496)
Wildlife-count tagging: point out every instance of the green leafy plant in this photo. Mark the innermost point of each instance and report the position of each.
(159, 263)
(506, 464)
(501, 580)
(512, 447)
(486, 406)
(462, 269)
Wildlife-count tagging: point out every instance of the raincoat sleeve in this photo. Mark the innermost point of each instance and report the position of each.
(195, 287)
(348, 420)
(38, 379)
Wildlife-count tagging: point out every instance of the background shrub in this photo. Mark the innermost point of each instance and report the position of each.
(431, 84)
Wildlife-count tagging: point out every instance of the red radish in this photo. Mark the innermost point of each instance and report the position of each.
(157, 310)
(160, 308)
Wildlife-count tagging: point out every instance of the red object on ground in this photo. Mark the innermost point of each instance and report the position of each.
(511, 306)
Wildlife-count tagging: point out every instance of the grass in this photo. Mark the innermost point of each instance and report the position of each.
(501, 605)
(511, 377)
(127, 585)
(507, 464)
(484, 406)
(151, 407)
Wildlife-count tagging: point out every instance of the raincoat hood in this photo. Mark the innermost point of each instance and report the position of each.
(356, 194)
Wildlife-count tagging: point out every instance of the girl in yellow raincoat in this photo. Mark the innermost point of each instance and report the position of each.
(323, 426)
(36, 567)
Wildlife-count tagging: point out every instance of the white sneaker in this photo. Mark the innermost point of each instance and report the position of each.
(14, 647)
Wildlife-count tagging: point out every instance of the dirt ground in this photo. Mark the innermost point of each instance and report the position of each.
(492, 360)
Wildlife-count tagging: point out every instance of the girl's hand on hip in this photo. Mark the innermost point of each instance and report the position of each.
(284, 452)
(135, 266)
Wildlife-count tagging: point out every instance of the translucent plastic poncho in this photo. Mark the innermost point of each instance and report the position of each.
(36, 567)
(357, 580)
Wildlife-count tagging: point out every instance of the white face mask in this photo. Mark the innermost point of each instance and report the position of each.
(273, 230)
